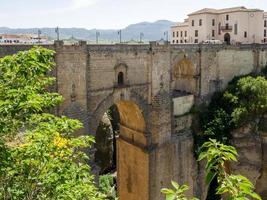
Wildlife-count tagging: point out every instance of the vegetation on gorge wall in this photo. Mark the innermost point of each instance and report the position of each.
(244, 101)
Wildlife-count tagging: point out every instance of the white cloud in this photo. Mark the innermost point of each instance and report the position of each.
(71, 6)
(76, 4)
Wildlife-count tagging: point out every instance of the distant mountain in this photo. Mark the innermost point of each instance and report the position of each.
(151, 31)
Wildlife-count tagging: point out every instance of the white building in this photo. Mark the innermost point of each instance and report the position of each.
(22, 39)
(230, 25)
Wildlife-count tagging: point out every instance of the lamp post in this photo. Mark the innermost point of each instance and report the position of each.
(97, 34)
(141, 36)
(39, 35)
(57, 32)
(119, 33)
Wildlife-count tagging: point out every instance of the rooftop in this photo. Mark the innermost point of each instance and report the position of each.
(225, 10)
(181, 24)
(21, 36)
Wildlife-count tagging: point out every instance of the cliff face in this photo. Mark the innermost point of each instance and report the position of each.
(251, 144)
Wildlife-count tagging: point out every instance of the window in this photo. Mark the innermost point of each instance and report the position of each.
(193, 23)
(181, 41)
(120, 79)
(177, 34)
(235, 29)
(200, 22)
(173, 41)
(185, 41)
(185, 33)
(245, 34)
(196, 40)
(219, 28)
(227, 26)
(181, 33)
(177, 41)
(173, 34)
(213, 33)
(265, 33)
(196, 33)
(213, 22)
(227, 17)
(265, 23)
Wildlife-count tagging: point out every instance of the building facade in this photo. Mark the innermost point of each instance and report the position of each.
(231, 25)
(22, 39)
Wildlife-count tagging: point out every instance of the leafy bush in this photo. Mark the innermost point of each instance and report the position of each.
(108, 187)
(40, 156)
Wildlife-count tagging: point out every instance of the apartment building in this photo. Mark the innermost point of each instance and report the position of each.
(230, 25)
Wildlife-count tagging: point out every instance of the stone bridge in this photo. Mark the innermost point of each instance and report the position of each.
(154, 87)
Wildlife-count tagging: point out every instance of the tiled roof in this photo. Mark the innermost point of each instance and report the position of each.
(10, 36)
(204, 10)
(22, 36)
(225, 10)
(181, 24)
(185, 23)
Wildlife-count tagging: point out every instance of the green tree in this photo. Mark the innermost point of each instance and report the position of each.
(40, 158)
(244, 101)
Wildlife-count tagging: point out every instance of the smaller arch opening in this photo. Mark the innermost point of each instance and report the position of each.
(120, 79)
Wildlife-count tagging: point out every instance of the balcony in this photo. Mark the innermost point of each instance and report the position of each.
(226, 28)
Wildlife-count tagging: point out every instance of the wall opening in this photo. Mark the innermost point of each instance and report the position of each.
(184, 76)
(227, 38)
(106, 134)
(117, 155)
(120, 79)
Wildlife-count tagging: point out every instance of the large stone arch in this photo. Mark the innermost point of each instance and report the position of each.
(132, 156)
(114, 98)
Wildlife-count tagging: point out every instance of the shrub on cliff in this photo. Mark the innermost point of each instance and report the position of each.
(244, 101)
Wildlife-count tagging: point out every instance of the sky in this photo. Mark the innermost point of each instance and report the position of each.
(105, 14)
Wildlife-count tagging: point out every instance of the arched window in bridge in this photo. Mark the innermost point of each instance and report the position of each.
(120, 79)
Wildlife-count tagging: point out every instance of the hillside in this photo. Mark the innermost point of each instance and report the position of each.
(151, 30)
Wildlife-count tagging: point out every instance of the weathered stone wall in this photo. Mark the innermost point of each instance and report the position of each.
(133, 171)
(182, 104)
(251, 142)
(71, 73)
(216, 65)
